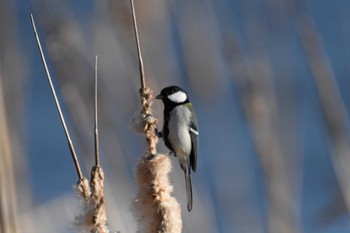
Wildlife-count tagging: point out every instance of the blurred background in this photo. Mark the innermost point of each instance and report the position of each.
(269, 80)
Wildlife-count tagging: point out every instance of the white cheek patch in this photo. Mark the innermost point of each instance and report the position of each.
(178, 97)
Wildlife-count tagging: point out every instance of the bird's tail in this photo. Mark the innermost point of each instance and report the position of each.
(188, 189)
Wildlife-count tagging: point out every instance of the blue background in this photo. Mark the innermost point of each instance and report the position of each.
(203, 46)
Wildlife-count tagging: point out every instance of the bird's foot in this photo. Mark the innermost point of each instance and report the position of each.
(157, 133)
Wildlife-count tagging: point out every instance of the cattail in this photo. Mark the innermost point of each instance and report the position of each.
(93, 216)
(82, 222)
(83, 190)
(98, 201)
(156, 210)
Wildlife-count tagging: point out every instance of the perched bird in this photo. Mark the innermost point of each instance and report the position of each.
(180, 132)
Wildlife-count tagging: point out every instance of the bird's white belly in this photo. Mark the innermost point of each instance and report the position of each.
(179, 135)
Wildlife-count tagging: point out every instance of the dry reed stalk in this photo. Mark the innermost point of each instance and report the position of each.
(67, 51)
(70, 143)
(82, 186)
(93, 218)
(154, 207)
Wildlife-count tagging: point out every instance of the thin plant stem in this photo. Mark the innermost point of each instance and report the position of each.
(97, 143)
(71, 147)
(141, 67)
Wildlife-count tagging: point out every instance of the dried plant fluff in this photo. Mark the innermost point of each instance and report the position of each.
(137, 124)
(154, 207)
(83, 190)
(93, 216)
(149, 122)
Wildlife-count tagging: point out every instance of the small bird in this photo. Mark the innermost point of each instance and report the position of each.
(180, 132)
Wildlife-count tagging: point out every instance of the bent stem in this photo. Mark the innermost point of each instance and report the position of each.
(71, 147)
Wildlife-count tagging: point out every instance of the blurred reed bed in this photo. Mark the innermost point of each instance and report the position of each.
(8, 196)
(333, 108)
(13, 76)
(253, 78)
(237, 58)
(259, 101)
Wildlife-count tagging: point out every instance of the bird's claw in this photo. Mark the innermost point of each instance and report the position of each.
(157, 133)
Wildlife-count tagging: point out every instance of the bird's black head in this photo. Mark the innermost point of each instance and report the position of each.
(173, 95)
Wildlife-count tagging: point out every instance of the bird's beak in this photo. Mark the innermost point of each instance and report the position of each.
(159, 96)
